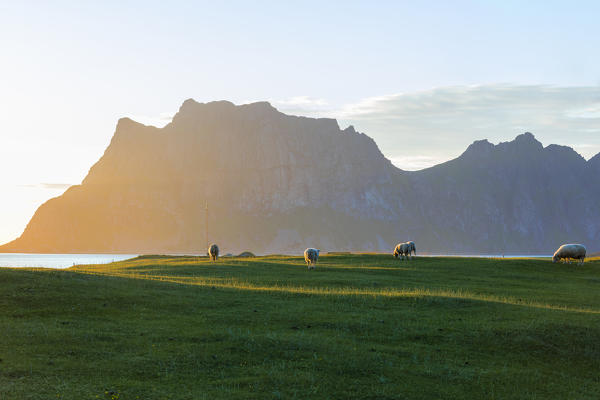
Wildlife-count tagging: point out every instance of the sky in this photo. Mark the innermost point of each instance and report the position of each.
(424, 79)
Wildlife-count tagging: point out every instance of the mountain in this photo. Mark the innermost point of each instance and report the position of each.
(515, 197)
(280, 183)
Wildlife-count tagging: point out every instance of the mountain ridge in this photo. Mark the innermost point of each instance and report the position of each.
(304, 181)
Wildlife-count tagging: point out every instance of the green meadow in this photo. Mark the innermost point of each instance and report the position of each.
(359, 326)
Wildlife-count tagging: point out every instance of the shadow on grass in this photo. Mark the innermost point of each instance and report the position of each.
(234, 284)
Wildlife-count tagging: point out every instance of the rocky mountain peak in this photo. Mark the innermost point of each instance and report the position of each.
(526, 137)
(564, 153)
(126, 123)
(259, 106)
(191, 106)
(524, 145)
(479, 148)
(525, 141)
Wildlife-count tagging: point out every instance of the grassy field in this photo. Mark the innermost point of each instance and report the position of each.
(359, 326)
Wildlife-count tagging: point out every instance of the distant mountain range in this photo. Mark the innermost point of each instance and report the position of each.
(276, 183)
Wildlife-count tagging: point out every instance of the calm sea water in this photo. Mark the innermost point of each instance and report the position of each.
(16, 260)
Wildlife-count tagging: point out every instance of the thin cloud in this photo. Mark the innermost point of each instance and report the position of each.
(60, 186)
(588, 112)
(53, 186)
(303, 101)
(440, 123)
(304, 105)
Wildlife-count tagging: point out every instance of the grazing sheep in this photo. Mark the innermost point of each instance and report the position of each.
(397, 250)
(213, 252)
(311, 256)
(568, 251)
(402, 250)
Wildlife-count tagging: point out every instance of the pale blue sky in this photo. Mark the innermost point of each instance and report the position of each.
(69, 70)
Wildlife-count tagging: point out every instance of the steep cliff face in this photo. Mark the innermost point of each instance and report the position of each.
(252, 157)
(278, 183)
(271, 182)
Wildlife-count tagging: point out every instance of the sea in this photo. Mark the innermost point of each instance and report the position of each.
(60, 261)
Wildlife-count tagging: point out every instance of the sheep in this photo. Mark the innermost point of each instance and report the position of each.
(213, 252)
(402, 250)
(568, 251)
(311, 256)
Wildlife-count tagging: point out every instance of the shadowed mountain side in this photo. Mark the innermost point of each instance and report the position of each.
(510, 198)
(278, 183)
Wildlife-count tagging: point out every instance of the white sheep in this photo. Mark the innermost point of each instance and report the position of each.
(401, 250)
(213, 252)
(568, 251)
(311, 256)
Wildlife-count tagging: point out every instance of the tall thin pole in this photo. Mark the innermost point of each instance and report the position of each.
(206, 216)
